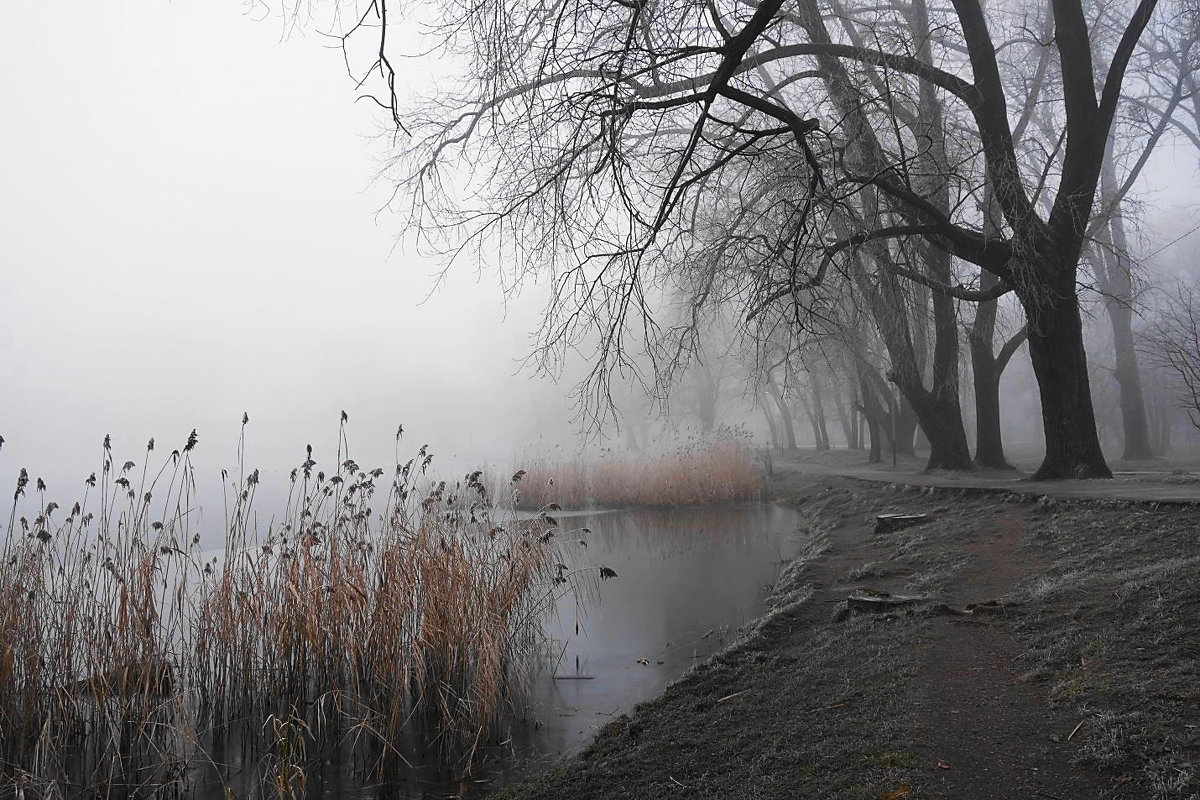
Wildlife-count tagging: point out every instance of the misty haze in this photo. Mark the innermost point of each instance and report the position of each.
(789, 398)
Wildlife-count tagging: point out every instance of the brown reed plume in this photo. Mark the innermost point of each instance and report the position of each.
(707, 470)
(390, 607)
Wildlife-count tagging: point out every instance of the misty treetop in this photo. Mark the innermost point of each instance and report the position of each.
(805, 168)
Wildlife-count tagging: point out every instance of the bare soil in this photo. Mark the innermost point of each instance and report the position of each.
(1055, 655)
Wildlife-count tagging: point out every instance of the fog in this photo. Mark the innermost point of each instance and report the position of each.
(190, 233)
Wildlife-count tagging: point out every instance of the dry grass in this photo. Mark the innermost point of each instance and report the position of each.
(1110, 633)
(125, 649)
(701, 472)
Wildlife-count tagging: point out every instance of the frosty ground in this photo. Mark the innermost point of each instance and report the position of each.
(1052, 654)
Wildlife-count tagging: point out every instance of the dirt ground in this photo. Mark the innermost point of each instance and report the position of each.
(1052, 653)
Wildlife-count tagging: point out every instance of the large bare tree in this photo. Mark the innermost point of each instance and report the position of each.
(597, 143)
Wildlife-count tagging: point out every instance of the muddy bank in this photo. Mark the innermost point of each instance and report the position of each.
(1050, 654)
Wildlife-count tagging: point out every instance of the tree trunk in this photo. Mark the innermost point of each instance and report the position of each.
(1114, 269)
(1060, 365)
(986, 370)
(819, 413)
(855, 440)
(875, 415)
(937, 411)
(907, 428)
(785, 414)
(812, 422)
(1129, 379)
(766, 407)
(844, 415)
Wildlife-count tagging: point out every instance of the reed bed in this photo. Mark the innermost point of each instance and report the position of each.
(701, 471)
(381, 608)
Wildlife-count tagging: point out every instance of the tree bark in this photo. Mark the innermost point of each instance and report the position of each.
(845, 416)
(818, 405)
(1060, 365)
(1113, 268)
(986, 370)
(874, 414)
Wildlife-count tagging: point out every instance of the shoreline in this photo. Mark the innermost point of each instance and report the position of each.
(976, 687)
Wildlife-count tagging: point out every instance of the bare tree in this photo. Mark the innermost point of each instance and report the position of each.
(596, 143)
(1173, 343)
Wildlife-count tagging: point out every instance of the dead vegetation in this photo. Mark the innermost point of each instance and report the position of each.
(1111, 633)
(377, 605)
(702, 471)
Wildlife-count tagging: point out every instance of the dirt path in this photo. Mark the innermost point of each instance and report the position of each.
(987, 734)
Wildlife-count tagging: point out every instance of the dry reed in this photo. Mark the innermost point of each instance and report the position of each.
(702, 471)
(126, 650)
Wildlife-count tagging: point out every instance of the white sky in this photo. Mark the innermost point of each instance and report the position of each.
(187, 232)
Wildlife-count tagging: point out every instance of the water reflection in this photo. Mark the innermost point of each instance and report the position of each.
(687, 579)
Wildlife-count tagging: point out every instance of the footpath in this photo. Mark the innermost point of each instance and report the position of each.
(1142, 486)
(1049, 651)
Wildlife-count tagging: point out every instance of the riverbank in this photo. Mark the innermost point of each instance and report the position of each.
(1052, 655)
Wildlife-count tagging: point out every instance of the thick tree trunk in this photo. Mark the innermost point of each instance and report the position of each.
(986, 370)
(1060, 365)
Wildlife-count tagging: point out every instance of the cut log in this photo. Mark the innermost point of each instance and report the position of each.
(886, 523)
(880, 603)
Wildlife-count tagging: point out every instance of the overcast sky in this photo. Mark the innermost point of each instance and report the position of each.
(188, 232)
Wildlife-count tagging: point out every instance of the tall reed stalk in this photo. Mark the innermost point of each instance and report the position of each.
(389, 607)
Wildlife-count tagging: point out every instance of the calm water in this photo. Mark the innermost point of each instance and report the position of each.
(686, 580)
